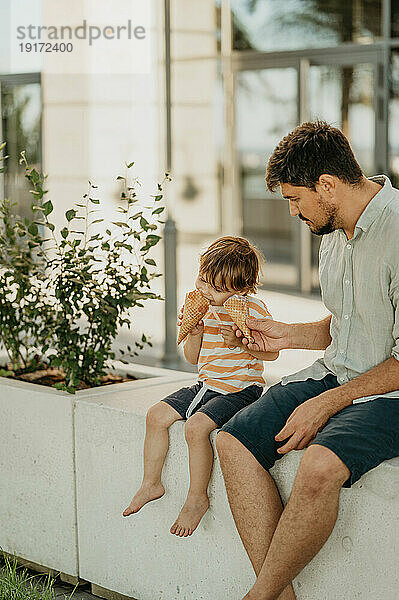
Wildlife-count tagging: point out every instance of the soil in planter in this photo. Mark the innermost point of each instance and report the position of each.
(49, 376)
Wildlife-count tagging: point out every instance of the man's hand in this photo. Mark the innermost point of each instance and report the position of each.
(269, 335)
(304, 423)
(229, 337)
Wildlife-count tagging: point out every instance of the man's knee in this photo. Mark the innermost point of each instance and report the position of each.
(320, 470)
(223, 442)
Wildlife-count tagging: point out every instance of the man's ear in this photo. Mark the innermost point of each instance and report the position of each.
(327, 183)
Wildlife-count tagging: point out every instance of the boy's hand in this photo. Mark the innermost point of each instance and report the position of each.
(197, 330)
(229, 337)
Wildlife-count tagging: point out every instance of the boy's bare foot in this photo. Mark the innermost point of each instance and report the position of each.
(145, 494)
(190, 516)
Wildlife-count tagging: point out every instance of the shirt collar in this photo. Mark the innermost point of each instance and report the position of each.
(377, 204)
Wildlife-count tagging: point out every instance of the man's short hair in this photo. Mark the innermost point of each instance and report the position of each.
(231, 263)
(310, 150)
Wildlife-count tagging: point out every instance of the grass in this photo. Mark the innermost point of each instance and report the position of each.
(16, 583)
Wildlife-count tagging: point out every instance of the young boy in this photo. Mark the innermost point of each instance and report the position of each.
(230, 378)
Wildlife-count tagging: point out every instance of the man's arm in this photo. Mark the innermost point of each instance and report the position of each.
(310, 336)
(311, 416)
(230, 340)
(273, 336)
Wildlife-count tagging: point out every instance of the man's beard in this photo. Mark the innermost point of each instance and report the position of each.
(331, 223)
(326, 228)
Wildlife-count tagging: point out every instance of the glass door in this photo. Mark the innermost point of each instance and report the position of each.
(269, 102)
(343, 95)
(265, 110)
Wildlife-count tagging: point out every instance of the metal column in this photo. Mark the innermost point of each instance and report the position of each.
(170, 357)
(305, 237)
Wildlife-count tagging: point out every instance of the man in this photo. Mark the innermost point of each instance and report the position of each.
(344, 409)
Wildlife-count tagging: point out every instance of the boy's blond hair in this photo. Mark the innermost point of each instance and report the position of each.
(231, 263)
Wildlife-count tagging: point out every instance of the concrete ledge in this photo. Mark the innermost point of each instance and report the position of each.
(138, 557)
(38, 520)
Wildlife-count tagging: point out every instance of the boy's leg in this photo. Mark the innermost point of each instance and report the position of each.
(159, 418)
(197, 430)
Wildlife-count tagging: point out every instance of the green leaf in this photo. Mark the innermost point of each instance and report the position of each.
(70, 214)
(64, 232)
(34, 176)
(150, 261)
(158, 198)
(120, 177)
(128, 165)
(4, 372)
(33, 230)
(48, 207)
(158, 211)
(120, 224)
(94, 200)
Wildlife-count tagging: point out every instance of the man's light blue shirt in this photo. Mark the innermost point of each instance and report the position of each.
(359, 281)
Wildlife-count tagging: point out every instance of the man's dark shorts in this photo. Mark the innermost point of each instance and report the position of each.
(362, 435)
(218, 407)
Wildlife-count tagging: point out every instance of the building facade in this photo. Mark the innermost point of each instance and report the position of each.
(241, 74)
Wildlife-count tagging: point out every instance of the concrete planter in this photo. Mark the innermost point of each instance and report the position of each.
(38, 518)
(138, 557)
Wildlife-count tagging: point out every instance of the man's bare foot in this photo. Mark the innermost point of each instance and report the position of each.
(145, 494)
(190, 516)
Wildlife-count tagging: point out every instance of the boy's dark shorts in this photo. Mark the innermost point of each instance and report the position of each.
(362, 435)
(219, 407)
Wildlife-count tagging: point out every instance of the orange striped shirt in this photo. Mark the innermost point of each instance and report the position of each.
(224, 369)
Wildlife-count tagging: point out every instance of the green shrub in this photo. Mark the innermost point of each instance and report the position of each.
(63, 298)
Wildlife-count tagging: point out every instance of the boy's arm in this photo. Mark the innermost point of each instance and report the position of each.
(192, 347)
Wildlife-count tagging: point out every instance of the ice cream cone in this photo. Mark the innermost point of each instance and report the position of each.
(195, 307)
(237, 308)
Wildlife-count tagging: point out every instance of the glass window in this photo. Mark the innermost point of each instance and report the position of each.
(393, 124)
(266, 109)
(395, 18)
(21, 129)
(343, 96)
(270, 25)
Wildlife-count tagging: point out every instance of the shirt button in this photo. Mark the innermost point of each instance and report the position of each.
(347, 281)
(346, 317)
(349, 246)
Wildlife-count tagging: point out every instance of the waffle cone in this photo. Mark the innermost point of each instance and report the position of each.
(237, 308)
(195, 307)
